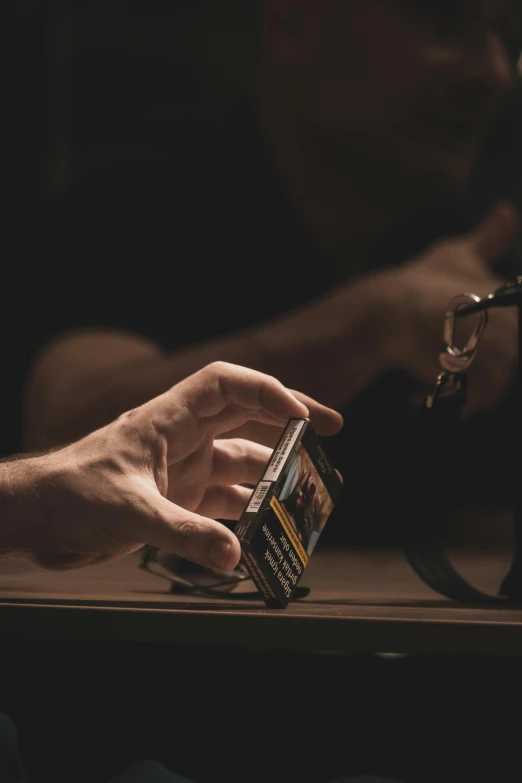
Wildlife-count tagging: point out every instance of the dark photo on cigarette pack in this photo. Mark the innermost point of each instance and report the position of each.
(286, 513)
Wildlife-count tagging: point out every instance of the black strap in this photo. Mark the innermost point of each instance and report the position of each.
(423, 544)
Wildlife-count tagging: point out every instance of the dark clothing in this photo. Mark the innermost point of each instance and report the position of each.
(12, 768)
(183, 234)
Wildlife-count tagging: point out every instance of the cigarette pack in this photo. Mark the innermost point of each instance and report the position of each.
(287, 512)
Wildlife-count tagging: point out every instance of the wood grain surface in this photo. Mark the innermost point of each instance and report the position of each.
(360, 600)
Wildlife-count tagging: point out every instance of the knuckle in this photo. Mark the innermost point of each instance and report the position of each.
(187, 530)
(243, 449)
(218, 367)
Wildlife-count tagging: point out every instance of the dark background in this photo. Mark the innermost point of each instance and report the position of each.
(84, 72)
(80, 73)
(82, 68)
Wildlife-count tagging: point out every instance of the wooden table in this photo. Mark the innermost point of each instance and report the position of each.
(118, 669)
(360, 601)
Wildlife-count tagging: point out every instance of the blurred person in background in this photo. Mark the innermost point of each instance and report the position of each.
(321, 227)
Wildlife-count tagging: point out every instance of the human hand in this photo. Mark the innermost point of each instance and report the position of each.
(160, 475)
(268, 434)
(392, 319)
(425, 287)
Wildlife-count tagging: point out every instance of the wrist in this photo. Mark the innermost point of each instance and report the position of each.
(21, 489)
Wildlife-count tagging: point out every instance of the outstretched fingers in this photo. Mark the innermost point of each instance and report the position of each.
(232, 395)
(222, 397)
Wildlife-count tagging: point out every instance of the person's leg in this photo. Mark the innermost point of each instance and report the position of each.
(11, 767)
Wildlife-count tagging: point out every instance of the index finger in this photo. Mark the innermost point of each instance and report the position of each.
(225, 395)
(325, 421)
(232, 387)
(220, 386)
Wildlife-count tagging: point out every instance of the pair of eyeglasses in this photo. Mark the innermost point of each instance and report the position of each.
(186, 577)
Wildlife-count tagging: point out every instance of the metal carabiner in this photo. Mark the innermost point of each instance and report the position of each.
(507, 295)
(451, 358)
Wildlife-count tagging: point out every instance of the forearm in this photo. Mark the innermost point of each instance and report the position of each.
(330, 350)
(21, 488)
(334, 348)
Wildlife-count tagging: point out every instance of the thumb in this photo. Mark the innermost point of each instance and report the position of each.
(203, 541)
(496, 233)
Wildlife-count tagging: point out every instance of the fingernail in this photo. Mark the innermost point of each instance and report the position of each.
(220, 554)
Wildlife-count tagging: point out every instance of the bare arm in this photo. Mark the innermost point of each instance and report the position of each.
(330, 350)
(21, 482)
(158, 474)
